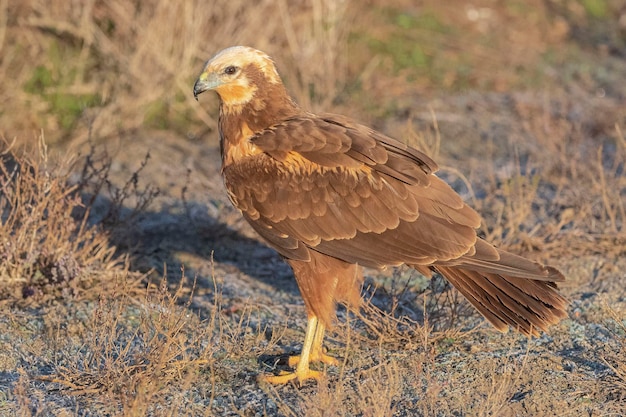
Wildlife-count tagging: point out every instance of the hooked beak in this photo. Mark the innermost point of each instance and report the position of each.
(206, 81)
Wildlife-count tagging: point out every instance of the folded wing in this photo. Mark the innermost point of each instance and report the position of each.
(326, 184)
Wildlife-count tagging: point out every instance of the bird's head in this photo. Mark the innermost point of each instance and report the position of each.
(236, 74)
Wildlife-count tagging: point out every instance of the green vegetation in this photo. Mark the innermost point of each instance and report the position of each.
(598, 9)
(53, 82)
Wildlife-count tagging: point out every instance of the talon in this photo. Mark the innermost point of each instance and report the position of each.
(315, 357)
(311, 352)
(285, 377)
(328, 360)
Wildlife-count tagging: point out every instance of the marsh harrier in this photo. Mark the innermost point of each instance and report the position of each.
(331, 195)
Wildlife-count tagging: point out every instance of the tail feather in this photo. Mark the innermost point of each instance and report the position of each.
(487, 258)
(528, 305)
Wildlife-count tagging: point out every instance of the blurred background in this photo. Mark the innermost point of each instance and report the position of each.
(107, 68)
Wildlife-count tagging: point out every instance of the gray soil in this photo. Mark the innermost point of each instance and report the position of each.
(471, 369)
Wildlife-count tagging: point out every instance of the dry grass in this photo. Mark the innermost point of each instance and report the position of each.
(47, 247)
(92, 63)
(133, 352)
(129, 286)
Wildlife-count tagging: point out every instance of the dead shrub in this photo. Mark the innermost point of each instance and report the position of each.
(47, 250)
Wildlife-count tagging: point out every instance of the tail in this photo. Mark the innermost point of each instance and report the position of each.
(508, 291)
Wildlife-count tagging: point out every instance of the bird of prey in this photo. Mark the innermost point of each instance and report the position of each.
(331, 195)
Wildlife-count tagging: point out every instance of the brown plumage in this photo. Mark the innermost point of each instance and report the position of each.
(330, 195)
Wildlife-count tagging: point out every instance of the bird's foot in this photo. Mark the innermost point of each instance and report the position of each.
(302, 373)
(285, 377)
(315, 357)
(312, 351)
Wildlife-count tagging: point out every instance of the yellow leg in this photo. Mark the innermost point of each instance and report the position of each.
(317, 349)
(311, 352)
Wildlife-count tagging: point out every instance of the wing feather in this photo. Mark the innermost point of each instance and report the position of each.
(329, 185)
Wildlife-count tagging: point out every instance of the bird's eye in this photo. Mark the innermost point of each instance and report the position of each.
(230, 70)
